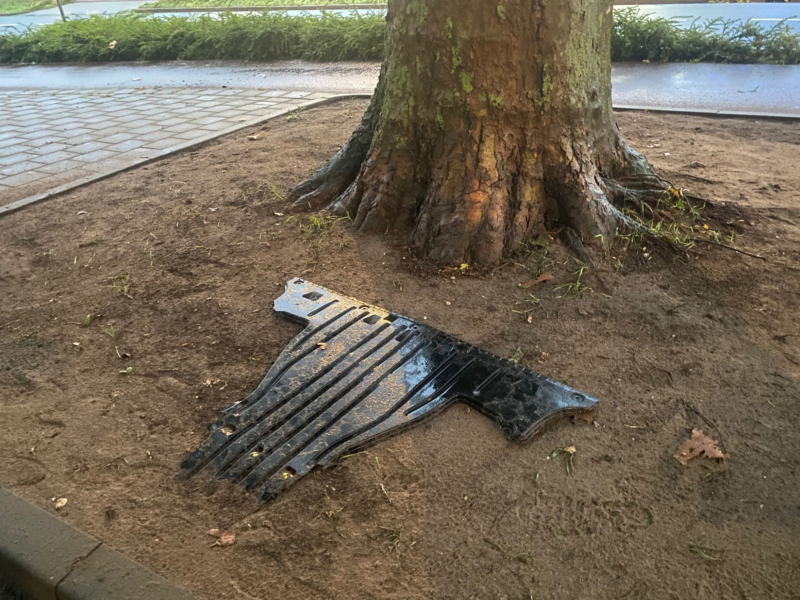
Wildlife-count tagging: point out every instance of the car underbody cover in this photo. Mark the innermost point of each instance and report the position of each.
(356, 374)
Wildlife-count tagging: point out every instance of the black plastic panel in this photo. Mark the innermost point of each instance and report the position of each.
(357, 373)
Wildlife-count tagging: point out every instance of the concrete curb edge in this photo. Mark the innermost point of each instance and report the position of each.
(50, 560)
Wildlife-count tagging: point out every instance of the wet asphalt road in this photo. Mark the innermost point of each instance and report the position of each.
(750, 89)
(766, 14)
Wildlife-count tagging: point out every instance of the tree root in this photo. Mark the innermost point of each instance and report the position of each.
(333, 178)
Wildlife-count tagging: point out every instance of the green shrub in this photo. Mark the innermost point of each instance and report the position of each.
(264, 37)
(637, 37)
(335, 36)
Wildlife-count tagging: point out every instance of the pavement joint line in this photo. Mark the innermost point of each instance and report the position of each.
(188, 144)
(48, 559)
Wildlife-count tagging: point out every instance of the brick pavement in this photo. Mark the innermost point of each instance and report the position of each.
(50, 139)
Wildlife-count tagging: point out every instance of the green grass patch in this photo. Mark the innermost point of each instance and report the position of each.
(222, 3)
(15, 7)
(335, 37)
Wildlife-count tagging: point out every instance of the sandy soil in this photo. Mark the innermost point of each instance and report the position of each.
(177, 264)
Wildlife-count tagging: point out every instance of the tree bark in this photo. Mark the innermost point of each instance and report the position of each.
(491, 123)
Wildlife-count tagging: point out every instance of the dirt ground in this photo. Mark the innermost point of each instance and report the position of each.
(133, 310)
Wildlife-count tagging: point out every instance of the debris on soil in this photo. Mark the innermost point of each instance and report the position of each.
(698, 445)
(540, 279)
(705, 552)
(60, 503)
(257, 136)
(517, 356)
(224, 538)
(567, 453)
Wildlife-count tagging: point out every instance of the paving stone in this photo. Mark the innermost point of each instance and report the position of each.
(49, 159)
(23, 178)
(127, 145)
(145, 129)
(61, 166)
(94, 156)
(13, 149)
(20, 167)
(180, 128)
(12, 159)
(155, 136)
(87, 147)
(165, 143)
(116, 138)
(191, 134)
(44, 148)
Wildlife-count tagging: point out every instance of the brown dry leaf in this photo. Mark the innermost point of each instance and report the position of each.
(226, 538)
(257, 136)
(698, 445)
(60, 503)
(540, 279)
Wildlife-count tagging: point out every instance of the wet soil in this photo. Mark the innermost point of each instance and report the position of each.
(135, 309)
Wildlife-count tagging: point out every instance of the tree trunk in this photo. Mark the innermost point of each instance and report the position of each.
(491, 123)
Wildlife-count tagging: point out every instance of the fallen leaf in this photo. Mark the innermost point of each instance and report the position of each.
(698, 445)
(214, 532)
(60, 503)
(322, 345)
(226, 538)
(257, 136)
(113, 44)
(540, 279)
(543, 356)
(277, 214)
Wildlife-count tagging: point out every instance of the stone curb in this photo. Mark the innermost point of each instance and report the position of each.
(50, 560)
(68, 187)
(709, 113)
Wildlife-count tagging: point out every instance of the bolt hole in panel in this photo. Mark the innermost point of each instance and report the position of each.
(355, 374)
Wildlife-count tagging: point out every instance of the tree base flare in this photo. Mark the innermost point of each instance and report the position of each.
(486, 131)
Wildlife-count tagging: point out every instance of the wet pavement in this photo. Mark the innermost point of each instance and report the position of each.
(66, 125)
(56, 139)
(751, 89)
(766, 14)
